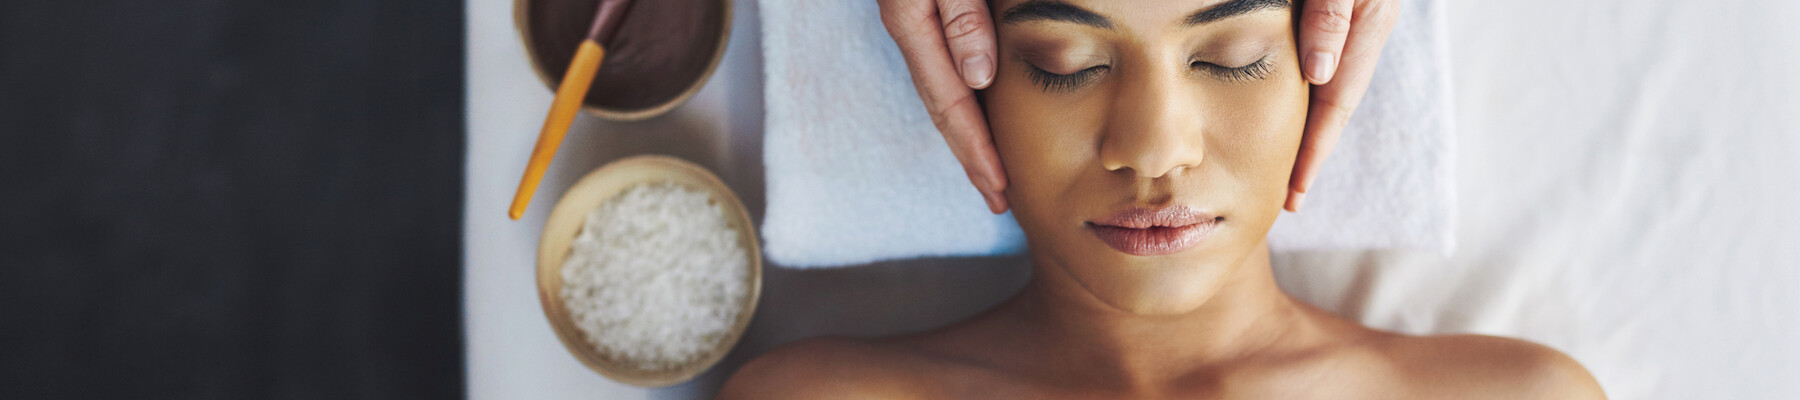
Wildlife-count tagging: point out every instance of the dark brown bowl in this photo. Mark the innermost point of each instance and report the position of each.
(663, 53)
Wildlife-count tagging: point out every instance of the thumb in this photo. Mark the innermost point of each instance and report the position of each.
(969, 32)
(1324, 25)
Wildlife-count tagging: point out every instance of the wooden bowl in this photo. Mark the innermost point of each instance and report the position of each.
(565, 224)
(663, 53)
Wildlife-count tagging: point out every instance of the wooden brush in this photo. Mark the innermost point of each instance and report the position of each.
(569, 96)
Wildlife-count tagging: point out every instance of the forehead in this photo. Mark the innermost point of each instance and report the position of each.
(1132, 14)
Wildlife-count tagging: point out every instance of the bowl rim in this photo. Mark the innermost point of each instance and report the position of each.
(565, 222)
(522, 25)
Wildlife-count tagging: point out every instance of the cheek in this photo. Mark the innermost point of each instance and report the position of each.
(1255, 133)
(1045, 141)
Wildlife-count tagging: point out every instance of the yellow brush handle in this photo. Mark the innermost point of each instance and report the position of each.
(562, 113)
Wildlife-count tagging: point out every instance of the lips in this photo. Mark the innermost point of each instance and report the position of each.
(1154, 232)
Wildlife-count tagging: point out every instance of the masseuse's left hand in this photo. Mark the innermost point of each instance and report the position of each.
(1331, 30)
(949, 48)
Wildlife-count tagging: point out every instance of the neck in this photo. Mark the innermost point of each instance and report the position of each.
(1247, 313)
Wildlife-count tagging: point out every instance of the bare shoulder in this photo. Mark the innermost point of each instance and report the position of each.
(820, 368)
(1477, 366)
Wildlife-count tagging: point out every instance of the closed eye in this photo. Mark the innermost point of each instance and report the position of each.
(1053, 82)
(1254, 71)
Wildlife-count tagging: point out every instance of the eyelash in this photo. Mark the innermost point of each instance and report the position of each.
(1064, 82)
(1255, 71)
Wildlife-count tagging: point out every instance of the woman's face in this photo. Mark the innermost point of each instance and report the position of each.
(1148, 144)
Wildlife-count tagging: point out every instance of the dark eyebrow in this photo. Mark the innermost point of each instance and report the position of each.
(1053, 10)
(1232, 8)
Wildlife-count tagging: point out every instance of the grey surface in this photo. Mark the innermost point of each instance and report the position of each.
(230, 200)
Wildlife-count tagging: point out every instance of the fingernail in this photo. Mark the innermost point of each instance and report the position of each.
(1299, 199)
(1319, 66)
(992, 201)
(977, 71)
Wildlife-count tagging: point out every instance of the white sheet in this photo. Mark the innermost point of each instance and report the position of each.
(1629, 174)
(1628, 182)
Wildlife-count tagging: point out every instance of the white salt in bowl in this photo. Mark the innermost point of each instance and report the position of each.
(566, 222)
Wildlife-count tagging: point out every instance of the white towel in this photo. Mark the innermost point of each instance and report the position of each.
(857, 173)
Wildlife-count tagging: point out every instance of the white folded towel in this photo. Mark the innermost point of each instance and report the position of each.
(857, 173)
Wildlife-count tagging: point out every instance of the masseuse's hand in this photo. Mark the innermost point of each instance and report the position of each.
(949, 48)
(1331, 30)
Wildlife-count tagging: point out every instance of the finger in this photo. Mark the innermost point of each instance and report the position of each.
(969, 31)
(1324, 123)
(1324, 25)
(965, 128)
(1333, 103)
(917, 31)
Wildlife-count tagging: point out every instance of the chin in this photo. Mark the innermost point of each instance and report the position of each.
(1159, 286)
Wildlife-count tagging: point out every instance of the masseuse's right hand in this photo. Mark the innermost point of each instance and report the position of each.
(949, 48)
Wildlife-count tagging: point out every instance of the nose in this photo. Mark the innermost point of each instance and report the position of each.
(1154, 129)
